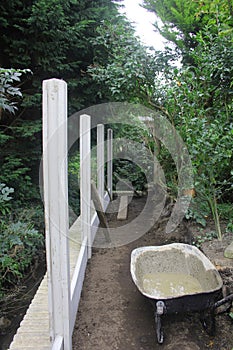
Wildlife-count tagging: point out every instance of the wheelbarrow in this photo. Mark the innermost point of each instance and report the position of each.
(178, 278)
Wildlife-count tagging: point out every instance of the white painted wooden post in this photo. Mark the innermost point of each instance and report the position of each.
(109, 160)
(100, 161)
(85, 179)
(56, 209)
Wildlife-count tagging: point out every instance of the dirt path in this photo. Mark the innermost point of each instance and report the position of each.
(113, 315)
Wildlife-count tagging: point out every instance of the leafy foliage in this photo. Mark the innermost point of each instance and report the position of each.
(13, 160)
(182, 20)
(52, 39)
(200, 103)
(20, 244)
(90, 46)
(179, 20)
(128, 71)
(8, 91)
(5, 197)
(204, 237)
(19, 241)
(74, 183)
(196, 98)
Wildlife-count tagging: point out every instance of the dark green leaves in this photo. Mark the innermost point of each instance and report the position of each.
(9, 93)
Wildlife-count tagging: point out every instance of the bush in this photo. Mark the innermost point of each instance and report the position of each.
(5, 198)
(20, 244)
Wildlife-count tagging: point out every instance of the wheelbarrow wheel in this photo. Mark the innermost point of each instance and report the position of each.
(159, 331)
(208, 321)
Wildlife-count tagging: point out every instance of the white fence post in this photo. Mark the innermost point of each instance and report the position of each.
(109, 161)
(56, 209)
(100, 161)
(85, 179)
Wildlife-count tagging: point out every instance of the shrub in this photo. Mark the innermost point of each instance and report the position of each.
(5, 198)
(20, 244)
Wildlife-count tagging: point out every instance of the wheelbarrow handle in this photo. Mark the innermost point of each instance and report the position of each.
(160, 308)
(223, 301)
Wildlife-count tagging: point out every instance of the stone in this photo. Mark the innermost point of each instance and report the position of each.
(228, 253)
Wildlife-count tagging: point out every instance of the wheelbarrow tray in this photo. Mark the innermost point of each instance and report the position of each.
(177, 258)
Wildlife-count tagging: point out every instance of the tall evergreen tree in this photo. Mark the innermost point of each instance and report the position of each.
(182, 20)
(52, 38)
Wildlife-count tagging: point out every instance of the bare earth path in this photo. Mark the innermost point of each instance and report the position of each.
(113, 315)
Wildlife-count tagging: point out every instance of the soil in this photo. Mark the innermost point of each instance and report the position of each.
(114, 315)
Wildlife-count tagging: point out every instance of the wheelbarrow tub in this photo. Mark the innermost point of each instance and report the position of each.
(177, 258)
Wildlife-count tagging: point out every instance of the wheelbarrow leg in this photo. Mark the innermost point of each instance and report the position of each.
(208, 320)
(160, 307)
